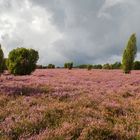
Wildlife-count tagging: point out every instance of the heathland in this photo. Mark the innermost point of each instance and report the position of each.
(57, 104)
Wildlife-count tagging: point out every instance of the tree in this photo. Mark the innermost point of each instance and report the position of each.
(51, 66)
(129, 54)
(68, 65)
(81, 66)
(65, 65)
(22, 61)
(99, 66)
(116, 65)
(1, 60)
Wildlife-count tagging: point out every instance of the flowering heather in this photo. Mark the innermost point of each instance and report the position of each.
(61, 104)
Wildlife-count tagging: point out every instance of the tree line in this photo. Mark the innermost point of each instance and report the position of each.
(116, 65)
(22, 61)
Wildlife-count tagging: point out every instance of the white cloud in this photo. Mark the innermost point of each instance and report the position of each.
(112, 3)
(28, 26)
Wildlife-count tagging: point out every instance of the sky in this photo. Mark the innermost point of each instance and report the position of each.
(82, 31)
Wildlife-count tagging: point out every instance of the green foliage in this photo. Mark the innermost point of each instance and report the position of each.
(41, 67)
(51, 66)
(83, 66)
(136, 65)
(107, 66)
(129, 54)
(5, 64)
(97, 66)
(1, 60)
(116, 65)
(89, 67)
(65, 65)
(68, 65)
(22, 61)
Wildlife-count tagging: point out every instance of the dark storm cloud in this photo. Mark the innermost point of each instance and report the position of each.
(83, 31)
(93, 30)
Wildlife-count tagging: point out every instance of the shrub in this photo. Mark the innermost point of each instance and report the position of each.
(129, 54)
(5, 64)
(65, 65)
(1, 60)
(68, 65)
(89, 67)
(51, 66)
(95, 133)
(116, 65)
(136, 65)
(97, 66)
(83, 66)
(22, 61)
(107, 66)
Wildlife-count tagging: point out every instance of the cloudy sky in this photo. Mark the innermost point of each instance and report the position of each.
(82, 31)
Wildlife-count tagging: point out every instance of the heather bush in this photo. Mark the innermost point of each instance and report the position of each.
(129, 54)
(52, 118)
(74, 106)
(95, 133)
(15, 132)
(76, 132)
(22, 61)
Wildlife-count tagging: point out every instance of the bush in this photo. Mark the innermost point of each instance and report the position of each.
(116, 65)
(107, 66)
(1, 60)
(5, 64)
(22, 61)
(68, 65)
(89, 67)
(51, 66)
(136, 65)
(82, 66)
(97, 66)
